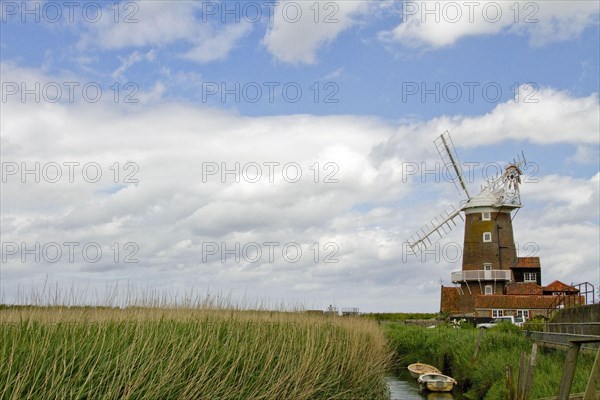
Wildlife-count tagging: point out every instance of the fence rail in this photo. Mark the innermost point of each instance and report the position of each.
(481, 275)
(560, 339)
(575, 328)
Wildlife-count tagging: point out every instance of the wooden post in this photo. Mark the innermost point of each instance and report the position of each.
(592, 385)
(530, 368)
(521, 377)
(478, 344)
(568, 372)
(510, 383)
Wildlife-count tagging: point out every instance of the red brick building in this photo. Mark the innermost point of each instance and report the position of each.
(520, 299)
(495, 282)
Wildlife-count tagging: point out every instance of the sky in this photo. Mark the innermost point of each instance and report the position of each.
(281, 153)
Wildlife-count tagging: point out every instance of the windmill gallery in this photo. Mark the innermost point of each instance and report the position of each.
(494, 280)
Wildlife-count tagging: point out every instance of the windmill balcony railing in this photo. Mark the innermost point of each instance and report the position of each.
(482, 275)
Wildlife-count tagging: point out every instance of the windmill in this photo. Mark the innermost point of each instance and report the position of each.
(493, 281)
(499, 195)
(489, 251)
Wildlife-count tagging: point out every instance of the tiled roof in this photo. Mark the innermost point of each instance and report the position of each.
(524, 288)
(512, 302)
(558, 286)
(527, 262)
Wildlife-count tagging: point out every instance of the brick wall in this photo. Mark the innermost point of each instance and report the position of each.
(500, 252)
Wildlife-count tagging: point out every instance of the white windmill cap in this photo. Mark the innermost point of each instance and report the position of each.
(488, 198)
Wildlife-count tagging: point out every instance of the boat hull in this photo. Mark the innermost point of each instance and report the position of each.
(436, 382)
(418, 369)
(438, 386)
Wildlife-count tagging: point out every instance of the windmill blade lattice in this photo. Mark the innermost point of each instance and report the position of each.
(452, 164)
(442, 224)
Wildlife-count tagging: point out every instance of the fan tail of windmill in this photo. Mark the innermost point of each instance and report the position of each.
(439, 226)
(507, 184)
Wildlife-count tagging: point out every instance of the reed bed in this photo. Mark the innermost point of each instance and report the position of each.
(187, 353)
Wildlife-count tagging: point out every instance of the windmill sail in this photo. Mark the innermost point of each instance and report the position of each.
(441, 224)
(452, 163)
(444, 222)
(501, 191)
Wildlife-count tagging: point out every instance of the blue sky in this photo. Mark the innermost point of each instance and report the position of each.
(357, 62)
(361, 108)
(347, 68)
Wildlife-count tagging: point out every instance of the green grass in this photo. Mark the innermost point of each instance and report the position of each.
(397, 316)
(452, 351)
(161, 353)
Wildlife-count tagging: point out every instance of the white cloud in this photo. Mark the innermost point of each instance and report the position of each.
(161, 23)
(556, 117)
(158, 23)
(565, 200)
(586, 155)
(299, 29)
(559, 21)
(443, 23)
(369, 213)
(133, 58)
(218, 46)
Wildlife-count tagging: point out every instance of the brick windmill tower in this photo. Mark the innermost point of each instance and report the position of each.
(489, 252)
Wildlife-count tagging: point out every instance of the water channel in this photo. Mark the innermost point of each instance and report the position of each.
(406, 388)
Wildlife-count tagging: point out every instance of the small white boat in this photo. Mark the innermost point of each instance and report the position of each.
(418, 369)
(436, 382)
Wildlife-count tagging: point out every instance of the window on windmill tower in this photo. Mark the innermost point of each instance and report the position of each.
(530, 277)
(487, 236)
(489, 289)
(487, 266)
(486, 216)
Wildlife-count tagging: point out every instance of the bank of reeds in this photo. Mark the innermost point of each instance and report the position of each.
(187, 353)
(452, 350)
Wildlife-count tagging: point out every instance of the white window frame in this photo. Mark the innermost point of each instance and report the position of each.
(487, 266)
(497, 313)
(486, 216)
(489, 235)
(530, 277)
(488, 290)
(523, 313)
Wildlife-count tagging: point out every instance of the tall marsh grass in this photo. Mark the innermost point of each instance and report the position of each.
(57, 352)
